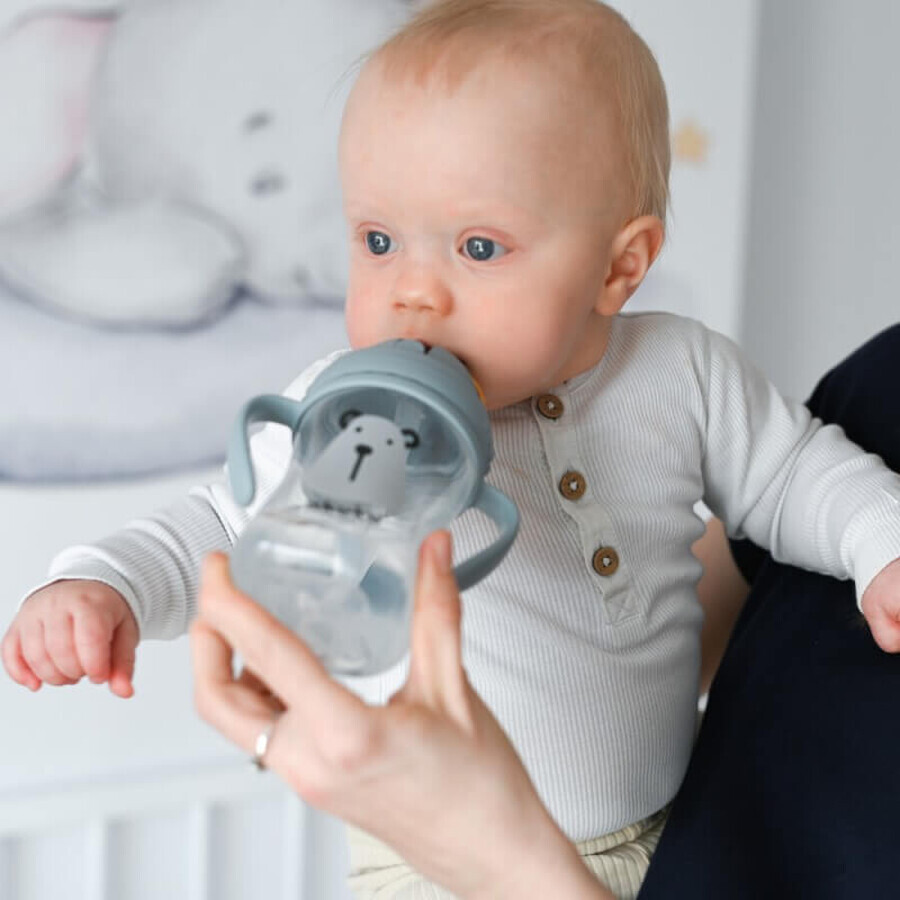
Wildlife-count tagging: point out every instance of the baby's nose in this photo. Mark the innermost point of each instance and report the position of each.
(421, 290)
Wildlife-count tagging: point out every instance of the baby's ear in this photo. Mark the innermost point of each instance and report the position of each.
(634, 249)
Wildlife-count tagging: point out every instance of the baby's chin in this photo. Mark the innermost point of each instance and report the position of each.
(497, 396)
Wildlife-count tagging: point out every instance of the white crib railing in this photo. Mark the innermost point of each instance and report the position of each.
(211, 832)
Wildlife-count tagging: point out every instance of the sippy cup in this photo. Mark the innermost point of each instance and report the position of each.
(389, 443)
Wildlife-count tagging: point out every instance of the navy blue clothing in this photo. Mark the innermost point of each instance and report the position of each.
(793, 789)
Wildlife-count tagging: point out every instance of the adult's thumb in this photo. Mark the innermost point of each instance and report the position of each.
(436, 673)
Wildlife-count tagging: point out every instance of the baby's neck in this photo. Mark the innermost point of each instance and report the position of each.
(590, 350)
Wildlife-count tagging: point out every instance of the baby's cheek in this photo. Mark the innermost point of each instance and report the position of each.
(513, 374)
(359, 320)
(526, 349)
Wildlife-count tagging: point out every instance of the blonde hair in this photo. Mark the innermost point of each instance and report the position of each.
(593, 42)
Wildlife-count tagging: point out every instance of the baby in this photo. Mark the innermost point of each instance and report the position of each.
(505, 165)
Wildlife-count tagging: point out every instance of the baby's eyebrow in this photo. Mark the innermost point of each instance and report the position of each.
(362, 211)
(500, 214)
(481, 206)
(506, 217)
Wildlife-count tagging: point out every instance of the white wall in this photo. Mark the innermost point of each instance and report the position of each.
(700, 271)
(821, 266)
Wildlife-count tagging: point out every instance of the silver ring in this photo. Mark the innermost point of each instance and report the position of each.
(263, 739)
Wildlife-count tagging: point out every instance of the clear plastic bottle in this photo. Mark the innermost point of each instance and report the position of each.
(343, 586)
(389, 442)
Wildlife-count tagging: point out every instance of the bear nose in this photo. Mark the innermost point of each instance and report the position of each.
(362, 451)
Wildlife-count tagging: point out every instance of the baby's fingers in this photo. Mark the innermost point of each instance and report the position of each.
(93, 636)
(122, 659)
(59, 640)
(885, 627)
(36, 655)
(19, 670)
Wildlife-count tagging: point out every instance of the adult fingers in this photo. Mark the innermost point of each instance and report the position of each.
(19, 670)
(436, 674)
(121, 655)
(333, 734)
(34, 650)
(252, 681)
(273, 652)
(233, 707)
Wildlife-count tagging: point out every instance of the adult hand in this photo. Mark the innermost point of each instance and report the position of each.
(431, 773)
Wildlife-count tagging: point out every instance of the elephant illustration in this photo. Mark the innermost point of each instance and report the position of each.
(159, 157)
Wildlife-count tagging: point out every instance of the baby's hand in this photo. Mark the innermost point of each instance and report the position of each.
(70, 629)
(881, 607)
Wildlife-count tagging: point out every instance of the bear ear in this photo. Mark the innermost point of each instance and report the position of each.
(347, 416)
(412, 439)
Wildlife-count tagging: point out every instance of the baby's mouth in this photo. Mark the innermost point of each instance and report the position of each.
(430, 345)
(410, 335)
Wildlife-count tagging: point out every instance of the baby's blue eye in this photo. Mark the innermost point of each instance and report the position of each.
(378, 242)
(482, 249)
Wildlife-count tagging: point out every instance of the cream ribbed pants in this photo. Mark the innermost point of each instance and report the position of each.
(619, 860)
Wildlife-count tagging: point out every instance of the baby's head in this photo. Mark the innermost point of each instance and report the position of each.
(505, 168)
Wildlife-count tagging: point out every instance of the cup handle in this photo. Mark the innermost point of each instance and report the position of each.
(497, 506)
(264, 408)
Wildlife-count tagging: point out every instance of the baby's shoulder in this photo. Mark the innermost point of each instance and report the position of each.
(660, 325)
(672, 336)
(663, 339)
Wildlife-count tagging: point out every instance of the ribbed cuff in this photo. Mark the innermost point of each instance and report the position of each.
(877, 551)
(91, 569)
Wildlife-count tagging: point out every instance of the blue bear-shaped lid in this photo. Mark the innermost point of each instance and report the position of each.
(430, 374)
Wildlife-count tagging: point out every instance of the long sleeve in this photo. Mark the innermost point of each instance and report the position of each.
(154, 562)
(777, 475)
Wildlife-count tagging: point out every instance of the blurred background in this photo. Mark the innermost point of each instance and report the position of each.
(820, 274)
(782, 235)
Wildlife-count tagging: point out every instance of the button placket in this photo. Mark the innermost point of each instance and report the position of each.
(598, 538)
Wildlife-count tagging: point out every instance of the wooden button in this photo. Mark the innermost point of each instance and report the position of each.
(572, 485)
(605, 561)
(550, 406)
